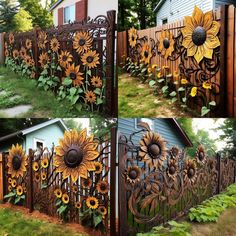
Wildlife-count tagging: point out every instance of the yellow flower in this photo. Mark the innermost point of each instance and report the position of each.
(166, 45)
(159, 75)
(102, 210)
(98, 166)
(149, 70)
(146, 53)
(9, 188)
(200, 34)
(184, 81)
(207, 85)
(44, 163)
(9, 180)
(193, 91)
(19, 190)
(176, 74)
(35, 166)
(58, 193)
(43, 175)
(78, 205)
(13, 183)
(65, 198)
(133, 37)
(154, 66)
(92, 202)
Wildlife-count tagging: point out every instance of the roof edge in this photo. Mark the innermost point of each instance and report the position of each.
(55, 5)
(158, 6)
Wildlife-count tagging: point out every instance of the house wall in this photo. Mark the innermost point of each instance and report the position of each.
(162, 126)
(50, 134)
(95, 7)
(175, 10)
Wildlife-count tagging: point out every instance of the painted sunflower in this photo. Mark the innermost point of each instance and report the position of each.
(174, 151)
(193, 92)
(35, 166)
(73, 72)
(75, 155)
(28, 44)
(32, 62)
(184, 81)
(190, 171)
(43, 175)
(133, 174)
(37, 177)
(55, 45)
(207, 85)
(75, 189)
(96, 81)
(16, 54)
(27, 60)
(13, 183)
(44, 59)
(133, 35)
(166, 45)
(6, 45)
(99, 167)
(65, 58)
(201, 155)
(200, 34)
(90, 96)
(90, 59)
(153, 149)
(92, 203)
(9, 188)
(42, 40)
(45, 163)
(9, 180)
(23, 52)
(11, 38)
(86, 183)
(172, 168)
(65, 198)
(82, 42)
(58, 193)
(19, 190)
(102, 187)
(17, 161)
(78, 205)
(146, 54)
(102, 210)
(7, 53)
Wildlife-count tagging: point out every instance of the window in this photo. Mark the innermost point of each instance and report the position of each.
(39, 143)
(164, 21)
(150, 122)
(69, 14)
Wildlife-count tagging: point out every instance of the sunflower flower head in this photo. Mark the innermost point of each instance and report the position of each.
(92, 203)
(58, 193)
(133, 36)
(73, 72)
(82, 42)
(207, 85)
(90, 59)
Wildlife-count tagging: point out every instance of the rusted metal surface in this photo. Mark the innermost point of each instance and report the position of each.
(157, 184)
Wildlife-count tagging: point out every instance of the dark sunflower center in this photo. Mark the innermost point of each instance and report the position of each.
(146, 54)
(154, 150)
(64, 58)
(73, 157)
(133, 174)
(86, 183)
(89, 59)
(191, 173)
(103, 187)
(92, 203)
(199, 36)
(72, 75)
(166, 43)
(54, 45)
(201, 156)
(102, 210)
(133, 38)
(172, 170)
(82, 42)
(44, 61)
(16, 162)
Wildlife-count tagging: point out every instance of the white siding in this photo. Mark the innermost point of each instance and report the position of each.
(95, 7)
(175, 10)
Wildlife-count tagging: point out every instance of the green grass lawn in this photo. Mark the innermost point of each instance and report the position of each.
(13, 223)
(44, 103)
(136, 99)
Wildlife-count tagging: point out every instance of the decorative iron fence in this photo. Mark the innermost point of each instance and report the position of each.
(157, 184)
(72, 180)
(184, 58)
(76, 61)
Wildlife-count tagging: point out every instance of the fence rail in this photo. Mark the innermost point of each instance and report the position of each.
(157, 184)
(83, 51)
(219, 71)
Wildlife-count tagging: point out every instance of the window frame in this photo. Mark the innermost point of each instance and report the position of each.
(64, 12)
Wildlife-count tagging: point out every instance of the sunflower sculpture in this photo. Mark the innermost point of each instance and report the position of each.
(44, 59)
(166, 44)
(73, 73)
(55, 45)
(11, 38)
(17, 161)
(82, 42)
(146, 53)
(175, 152)
(133, 174)
(153, 150)
(102, 210)
(23, 52)
(133, 36)
(92, 203)
(96, 81)
(190, 171)
(90, 97)
(102, 187)
(42, 40)
(99, 167)
(28, 44)
(65, 58)
(90, 59)
(86, 183)
(75, 155)
(200, 34)
(201, 155)
(172, 168)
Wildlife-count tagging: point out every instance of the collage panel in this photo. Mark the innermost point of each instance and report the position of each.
(117, 117)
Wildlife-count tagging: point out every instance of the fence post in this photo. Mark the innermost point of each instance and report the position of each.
(113, 183)
(110, 63)
(1, 178)
(2, 56)
(30, 190)
(218, 158)
(3, 182)
(36, 52)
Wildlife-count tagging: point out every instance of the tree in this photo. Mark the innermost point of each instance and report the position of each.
(72, 124)
(8, 9)
(23, 21)
(229, 129)
(40, 16)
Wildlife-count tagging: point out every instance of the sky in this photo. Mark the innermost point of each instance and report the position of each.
(209, 125)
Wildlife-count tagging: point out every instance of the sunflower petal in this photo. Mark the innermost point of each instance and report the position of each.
(187, 41)
(212, 42)
(214, 30)
(199, 54)
(208, 19)
(191, 51)
(198, 16)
